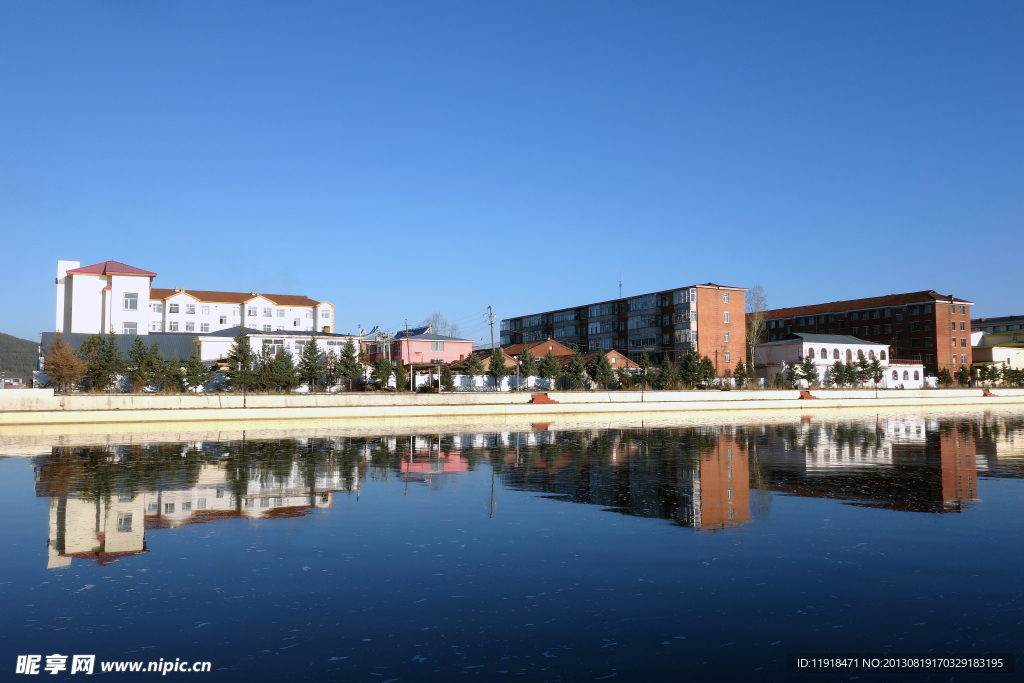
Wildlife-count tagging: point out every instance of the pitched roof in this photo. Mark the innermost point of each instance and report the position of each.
(110, 268)
(159, 294)
(991, 321)
(232, 332)
(822, 339)
(556, 348)
(429, 336)
(889, 300)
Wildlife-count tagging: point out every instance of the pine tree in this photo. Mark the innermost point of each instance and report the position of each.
(472, 367)
(311, 367)
(837, 374)
(707, 370)
(645, 370)
(382, 373)
(963, 376)
(240, 359)
(740, 373)
(875, 370)
(197, 375)
(111, 362)
(690, 373)
(263, 373)
(171, 375)
(945, 379)
(137, 365)
(62, 364)
(527, 363)
(89, 352)
(156, 365)
(549, 368)
(863, 370)
(808, 370)
(401, 378)
(497, 367)
(576, 371)
(624, 378)
(447, 380)
(284, 371)
(600, 370)
(349, 366)
(668, 374)
(330, 368)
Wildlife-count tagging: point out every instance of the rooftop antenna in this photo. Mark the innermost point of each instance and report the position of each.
(620, 285)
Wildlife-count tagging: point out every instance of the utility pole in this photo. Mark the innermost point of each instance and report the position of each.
(489, 317)
(408, 355)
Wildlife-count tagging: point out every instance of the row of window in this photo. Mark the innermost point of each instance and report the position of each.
(823, 354)
(864, 315)
(999, 328)
(963, 341)
(906, 376)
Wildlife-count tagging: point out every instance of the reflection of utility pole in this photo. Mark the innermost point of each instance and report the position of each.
(491, 514)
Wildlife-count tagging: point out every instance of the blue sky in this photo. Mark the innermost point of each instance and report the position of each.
(401, 158)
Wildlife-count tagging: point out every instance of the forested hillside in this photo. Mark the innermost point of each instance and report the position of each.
(17, 357)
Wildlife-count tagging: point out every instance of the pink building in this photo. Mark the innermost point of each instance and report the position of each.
(422, 349)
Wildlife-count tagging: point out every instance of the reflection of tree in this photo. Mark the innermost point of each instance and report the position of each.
(748, 440)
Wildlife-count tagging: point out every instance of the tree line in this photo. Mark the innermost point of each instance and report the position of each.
(265, 370)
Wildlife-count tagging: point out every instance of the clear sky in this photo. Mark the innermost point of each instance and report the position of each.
(401, 158)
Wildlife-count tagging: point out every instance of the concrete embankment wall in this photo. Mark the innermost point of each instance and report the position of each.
(42, 407)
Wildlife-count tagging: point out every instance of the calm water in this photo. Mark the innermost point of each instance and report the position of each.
(663, 552)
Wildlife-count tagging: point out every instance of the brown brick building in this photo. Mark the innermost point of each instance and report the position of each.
(927, 326)
(708, 318)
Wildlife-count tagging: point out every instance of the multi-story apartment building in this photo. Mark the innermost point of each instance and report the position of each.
(111, 295)
(663, 324)
(926, 326)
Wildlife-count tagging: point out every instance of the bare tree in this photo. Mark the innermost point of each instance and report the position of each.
(441, 325)
(757, 309)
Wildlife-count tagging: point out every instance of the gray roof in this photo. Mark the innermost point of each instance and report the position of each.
(822, 339)
(170, 342)
(996, 321)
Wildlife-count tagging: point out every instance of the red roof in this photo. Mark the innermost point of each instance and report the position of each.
(159, 294)
(890, 300)
(110, 268)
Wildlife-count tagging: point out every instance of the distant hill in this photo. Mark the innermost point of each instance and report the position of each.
(18, 357)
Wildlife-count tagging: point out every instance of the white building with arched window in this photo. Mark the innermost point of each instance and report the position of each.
(778, 356)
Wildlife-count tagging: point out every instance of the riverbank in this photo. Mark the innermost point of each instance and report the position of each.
(36, 407)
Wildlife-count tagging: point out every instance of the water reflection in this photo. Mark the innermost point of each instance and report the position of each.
(103, 500)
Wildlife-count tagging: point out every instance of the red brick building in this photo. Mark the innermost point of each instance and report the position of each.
(926, 326)
(708, 318)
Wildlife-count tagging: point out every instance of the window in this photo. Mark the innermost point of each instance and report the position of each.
(185, 507)
(264, 502)
(593, 328)
(895, 374)
(871, 354)
(927, 308)
(220, 493)
(899, 317)
(914, 327)
(190, 309)
(309, 314)
(906, 375)
(279, 328)
(129, 328)
(849, 355)
(726, 337)
(853, 316)
(280, 313)
(927, 324)
(963, 310)
(131, 301)
(124, 522)
(877, 329)
(205, 310)
(168, 508)
(888, 313)
(928, 358)
(153, 508)
(158, 307)
(881, 355)
(963, 359)
(268, 328)
(914, 310)
(997, 328)
(963, 326)
(190, 327)
(915, 343)
(916, 375)
(725, 318)
(201, 504)
(172, 308)
(299, 344)
(952, 310)
(205, 327)
(835, 354)
(725, 297)
(954, 359)
(824, 354)
(437, 346)
(953, 324)
(295, 323)
(727, 353)
(325, 314)
(252, 311)
(223, 320)
(854, 331)
(888, 329)
(156, 327)
(268, 312)
(172, 326)
(928, 342)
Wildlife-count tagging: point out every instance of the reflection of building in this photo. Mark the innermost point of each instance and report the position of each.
(722, 487)
(96, 530)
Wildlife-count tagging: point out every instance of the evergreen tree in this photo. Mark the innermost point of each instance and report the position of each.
(137, 365)
(527, 363)
(707, 370)
(382, 372)
(197, 375)
(239, 375)
(600, 370)
(963, 376)
(110, 362)
(349, 366)
(808, 370)
(690, 373)
(89, 352)
(156, 365)
(497, 367)
(645, 370)
(401, 378)
(575, 371)
(549, 368)
(330, 368)
(624, 378)
(311, 366)
(837, 372)
(447, 381)
(668, 374)
(472, 367)
(171, 375)
(263, 373)
(875, 371)
(945, 379)
(740, 373)
(62, 364)
(284, 371)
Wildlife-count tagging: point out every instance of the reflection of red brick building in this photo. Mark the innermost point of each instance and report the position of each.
(959, 469)
(724, 493)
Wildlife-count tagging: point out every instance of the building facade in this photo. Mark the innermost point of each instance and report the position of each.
(420, 348)
(925, 326)
(111, 295)
(707, 318)
(825, 349)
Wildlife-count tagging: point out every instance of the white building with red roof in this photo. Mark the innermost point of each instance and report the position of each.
(112, 295)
